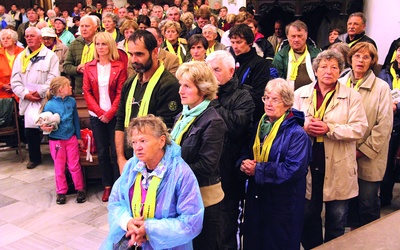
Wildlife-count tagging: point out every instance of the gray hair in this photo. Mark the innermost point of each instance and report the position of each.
(328, 55)
(95, 20)
(298, 25)
(210, 26)
(283, 88)
(113, 17)
(10, 32)
(38, 32)
(359, 14)
(223, 56)
(171, 9)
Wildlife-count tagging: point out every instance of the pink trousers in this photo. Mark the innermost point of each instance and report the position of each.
(65, 153)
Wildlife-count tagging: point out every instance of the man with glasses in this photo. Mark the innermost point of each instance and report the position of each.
(203, 17)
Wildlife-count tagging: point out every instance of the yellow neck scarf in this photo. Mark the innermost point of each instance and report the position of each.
(150, 202)
(296, 63)
(261, 155)
(179, 137)
(171, 49)
(395, 81)
(26, 59)
(357, 86)
(353, 42)
(87, 53)
(114, 34)
(210, 50)
(10, 59)
(144, 106)
(319, 113)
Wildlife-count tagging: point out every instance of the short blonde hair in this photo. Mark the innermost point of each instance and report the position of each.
(172, 24)
(127, 24)
(112, 46)
(282, 87)
(201, 75)
(152, 122)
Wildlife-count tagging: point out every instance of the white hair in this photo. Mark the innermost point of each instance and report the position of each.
(95, 19)
(224, 57)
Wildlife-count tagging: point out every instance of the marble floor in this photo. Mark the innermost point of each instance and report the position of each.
(29, 215)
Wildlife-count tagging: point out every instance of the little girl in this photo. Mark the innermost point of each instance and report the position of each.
(63, 142)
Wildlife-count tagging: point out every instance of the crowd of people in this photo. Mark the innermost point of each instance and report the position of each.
(201, 121)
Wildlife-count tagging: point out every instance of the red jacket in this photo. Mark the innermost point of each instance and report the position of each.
(5, 71)
(118, 75)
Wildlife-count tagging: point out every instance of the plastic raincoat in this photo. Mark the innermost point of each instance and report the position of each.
(178, 216)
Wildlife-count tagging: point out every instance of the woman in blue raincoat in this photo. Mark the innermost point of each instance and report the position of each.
(276, 164)
(156, 203)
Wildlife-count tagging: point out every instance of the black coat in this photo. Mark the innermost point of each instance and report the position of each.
(252, 70)
(202, 146)
(236, 107)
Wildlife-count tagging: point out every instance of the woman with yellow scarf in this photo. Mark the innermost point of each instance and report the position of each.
(173, 43)
(275, 164)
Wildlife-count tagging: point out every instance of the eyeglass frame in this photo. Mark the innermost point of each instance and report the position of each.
(274, 101)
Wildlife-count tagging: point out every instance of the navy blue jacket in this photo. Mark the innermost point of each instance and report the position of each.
(275, 196)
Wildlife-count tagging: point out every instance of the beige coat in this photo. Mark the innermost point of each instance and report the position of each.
(377, 100)
(346, 120)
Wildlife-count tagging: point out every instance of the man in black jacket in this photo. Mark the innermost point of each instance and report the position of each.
(235, 105)
(251, 69)
(153, 90)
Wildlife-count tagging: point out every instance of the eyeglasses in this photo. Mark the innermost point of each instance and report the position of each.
(359, 57)
(273, 101)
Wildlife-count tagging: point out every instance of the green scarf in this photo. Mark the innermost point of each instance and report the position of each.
(186, 119)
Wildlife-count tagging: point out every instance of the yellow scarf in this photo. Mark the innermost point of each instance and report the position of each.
(10, 59)
(321, 111)
(150, 202)
(171, 49)
(114, 34)
(395, 82)
(87, 53)
(144, 106)
(261, 155)
(357, 86)
(353, 42)
(26, 59)
(179, 137)
(296, 63)
(210, 50)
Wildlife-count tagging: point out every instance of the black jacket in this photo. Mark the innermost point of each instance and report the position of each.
(202, 146)
(236, 107)
(164, 102)
(252, 70)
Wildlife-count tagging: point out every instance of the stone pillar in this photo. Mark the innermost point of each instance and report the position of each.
(383, 23)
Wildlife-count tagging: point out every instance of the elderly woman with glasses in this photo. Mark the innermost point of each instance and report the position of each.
(210, 33)
(335, 120)
(275, 163)
(171, 214)
(372, 148)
